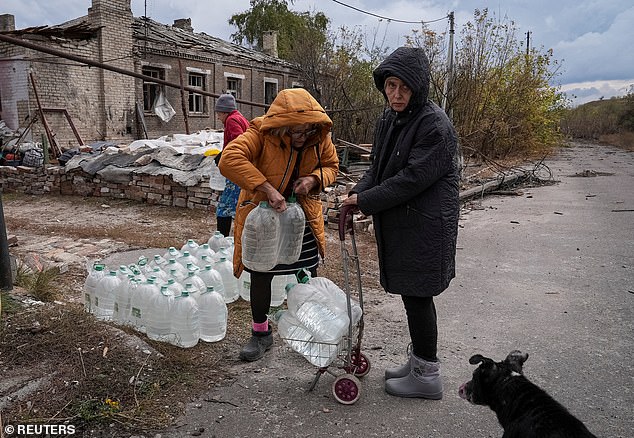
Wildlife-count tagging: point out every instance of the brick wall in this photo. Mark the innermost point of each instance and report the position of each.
(152, 189)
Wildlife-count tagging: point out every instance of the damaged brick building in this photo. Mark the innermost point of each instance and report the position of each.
(171, 62)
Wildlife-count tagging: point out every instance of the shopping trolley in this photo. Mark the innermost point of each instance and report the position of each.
(344, 355)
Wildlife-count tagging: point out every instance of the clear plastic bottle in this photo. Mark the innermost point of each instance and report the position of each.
(159, 325)
(244, 286)
(104, 295)
(213, 316)
(278, 288)
(139, 302)
(197, 282)
(216, 241)
(172, 253)
(204, 250)
(323, 323)
(123, 272)
(157, 260)
(96, 272)
(212, 278)
(190, 246)
(260, 238)
(121, 307)
(173, 286)
(223, 251)
(230, 283)
(217, 182)
(185, 323)
(187, 258)
(310, 307)
(295, 335)
(292, 225)
(181, 270)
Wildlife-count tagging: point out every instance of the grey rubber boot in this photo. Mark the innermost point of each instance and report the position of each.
(259, 343)
(399, 371)
(423, 381)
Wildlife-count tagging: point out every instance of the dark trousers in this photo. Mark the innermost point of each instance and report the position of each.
(261, 294)
(224, 225)
(423, 329)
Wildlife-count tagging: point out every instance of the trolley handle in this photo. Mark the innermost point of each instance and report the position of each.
(345, 220)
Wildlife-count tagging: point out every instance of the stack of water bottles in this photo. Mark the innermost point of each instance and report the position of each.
(270, 238)
(317, 322)
(179, 297)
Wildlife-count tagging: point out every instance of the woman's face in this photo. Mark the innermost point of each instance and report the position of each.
(398, 93)
(300, 133)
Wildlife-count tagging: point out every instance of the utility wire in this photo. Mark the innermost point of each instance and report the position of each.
(388, 18)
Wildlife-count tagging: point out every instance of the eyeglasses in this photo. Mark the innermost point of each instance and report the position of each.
(305, 133)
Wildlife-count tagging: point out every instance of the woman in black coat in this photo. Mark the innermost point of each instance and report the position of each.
(411, 192)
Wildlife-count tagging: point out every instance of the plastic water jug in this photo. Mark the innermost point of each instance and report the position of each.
(157, 260)
(181, 271)
(230, 283)
(212, 278)
(159, 325)
(185, 321)
(260, 238)
(123, 272)
(90, 284)
(187, 258)
(292, 225)
(173, 286)
(104, 295)
(172, 253)
(216, 180)
(216, 241)
(244, 286)
(223, 251)
(190, 246)
(335, 298)
(311, 309)
(213, 316)
(203, 250)
(139, 302)
(278, 288)
(294, 334)
(121, 307)
(197, 282)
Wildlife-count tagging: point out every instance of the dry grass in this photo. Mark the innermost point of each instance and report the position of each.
(98, 374)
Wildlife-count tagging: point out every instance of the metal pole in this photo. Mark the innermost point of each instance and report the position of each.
(446, 89)
(6, 277)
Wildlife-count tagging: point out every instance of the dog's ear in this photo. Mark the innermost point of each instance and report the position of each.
(516, 359)
(477, 358)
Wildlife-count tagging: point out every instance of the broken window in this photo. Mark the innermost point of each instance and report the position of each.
(196, 101)
(151, 90)
(270, 90)
(234, 86)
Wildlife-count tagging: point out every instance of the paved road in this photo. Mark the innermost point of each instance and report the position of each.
(550, 272)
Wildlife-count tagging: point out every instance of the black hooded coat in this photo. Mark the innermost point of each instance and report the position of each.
(411, 188)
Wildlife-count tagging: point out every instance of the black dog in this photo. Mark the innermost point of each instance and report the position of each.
(523, 409)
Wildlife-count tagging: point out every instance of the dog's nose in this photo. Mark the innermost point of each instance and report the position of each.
(462, 392)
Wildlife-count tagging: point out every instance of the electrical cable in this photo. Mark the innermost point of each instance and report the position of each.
(388, 18)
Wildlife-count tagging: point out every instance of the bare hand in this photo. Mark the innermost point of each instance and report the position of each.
(305, 184)
(350, 200)
(277, 201)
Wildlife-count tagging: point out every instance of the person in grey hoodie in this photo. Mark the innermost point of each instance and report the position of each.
(411, 192)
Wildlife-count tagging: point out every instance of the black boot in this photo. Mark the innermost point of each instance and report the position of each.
(257, 345)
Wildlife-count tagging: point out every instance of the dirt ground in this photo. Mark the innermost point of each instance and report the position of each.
(102, 376)
(66, 367)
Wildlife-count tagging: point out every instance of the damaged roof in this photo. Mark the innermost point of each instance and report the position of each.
(163, 36)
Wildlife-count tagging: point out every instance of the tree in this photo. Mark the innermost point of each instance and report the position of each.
(266, 15)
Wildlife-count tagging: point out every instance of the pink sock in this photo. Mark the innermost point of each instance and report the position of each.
(261, 326)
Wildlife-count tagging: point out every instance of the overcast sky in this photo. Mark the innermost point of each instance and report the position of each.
(592, 38)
